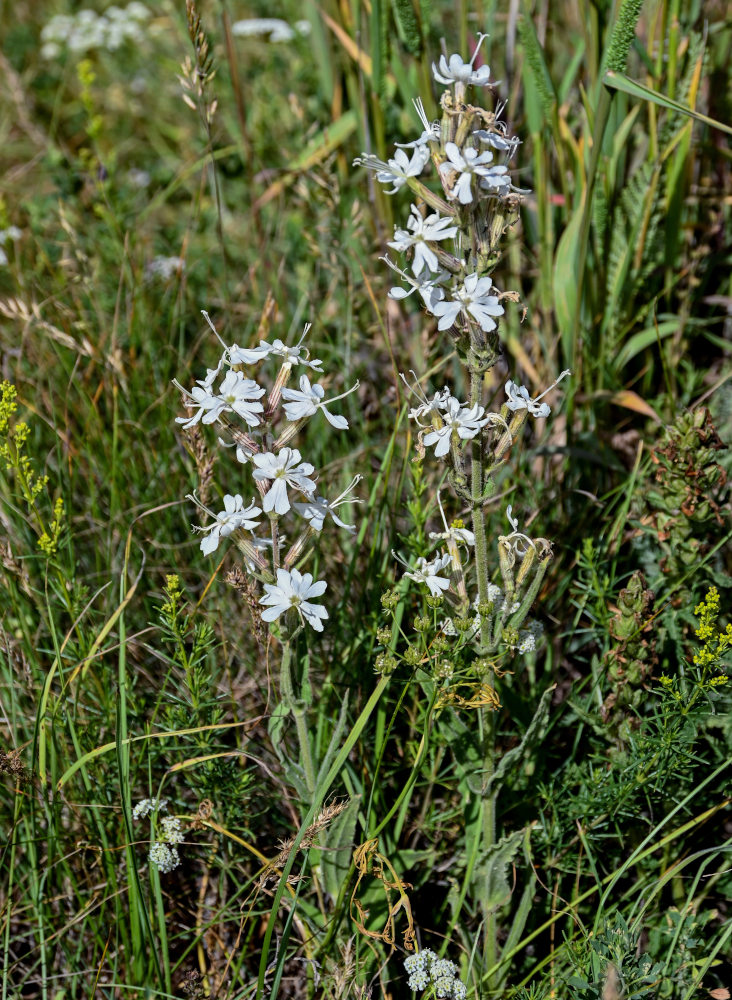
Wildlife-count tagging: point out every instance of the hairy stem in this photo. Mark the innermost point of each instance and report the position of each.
(297, 708)
(488, 803)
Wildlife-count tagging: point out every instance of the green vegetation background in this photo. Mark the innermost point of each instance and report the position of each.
(622, 264)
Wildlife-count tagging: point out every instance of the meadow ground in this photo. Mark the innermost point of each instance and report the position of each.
(514, 755)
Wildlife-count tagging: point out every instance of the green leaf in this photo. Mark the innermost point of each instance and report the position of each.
(619, 81)
(491, 872)
(565, 280)
(643, 339)
(531, 738)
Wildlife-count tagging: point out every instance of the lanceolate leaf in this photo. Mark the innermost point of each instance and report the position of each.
(619, 81)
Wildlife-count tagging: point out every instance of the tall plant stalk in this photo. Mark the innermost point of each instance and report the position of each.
(471, 151)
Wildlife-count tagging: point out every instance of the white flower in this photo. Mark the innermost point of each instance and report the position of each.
(238, 394)
(296, 355)
(465, 164)
(236, 355)
(315, 511)
(420, 960)
(164, 268)
(431, 131)
(526, 642)
(138, 178)
(137, 11)
(164, 858)
(11, 233)
(516, 544)
(243, 454)
(455, 70)
(306, 400)
(497, 181)
(473, 298)
(278, 30)
(443, 967)
(429, 573)
(292, 590)
(397, 170)
(202, 396)
(170, 825)
(453, 533)
(145, 806)
(497, 140)
(519, 398)
(283, 470)
(419, 980)
(513, 521)
(419, 229)
(463, 420)
(233, 516)
(427, 286)
(437, 404)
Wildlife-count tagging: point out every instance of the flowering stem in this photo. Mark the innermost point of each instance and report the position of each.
(297, 708)
(273, 521)
(488, 802)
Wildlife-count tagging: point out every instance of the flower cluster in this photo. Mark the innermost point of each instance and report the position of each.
(87, 30)
(451, 242)
(523, 640)
(428, 972)
(164, 851)
(471, 151)
(163, 268)
(275, 29)
(716, 641)
(286, 484)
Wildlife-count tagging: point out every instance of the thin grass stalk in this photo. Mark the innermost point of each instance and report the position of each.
(162, 928)
(10, 889)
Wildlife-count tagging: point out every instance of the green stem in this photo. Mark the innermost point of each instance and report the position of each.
(488, 803)
(297, 708)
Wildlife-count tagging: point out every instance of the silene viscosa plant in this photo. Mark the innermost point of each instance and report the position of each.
(258, 428)
(452, 243)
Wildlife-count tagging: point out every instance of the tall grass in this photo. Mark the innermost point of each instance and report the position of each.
(130, 669)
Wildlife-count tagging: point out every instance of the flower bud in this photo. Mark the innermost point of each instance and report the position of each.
(412, 656)
(385, 664)
(389, 600)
